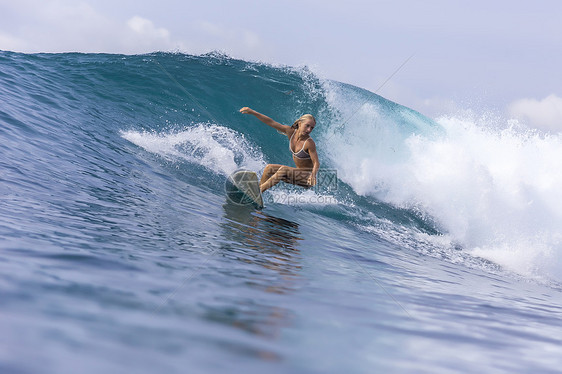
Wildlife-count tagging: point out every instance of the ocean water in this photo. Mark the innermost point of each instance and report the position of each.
(430, 245)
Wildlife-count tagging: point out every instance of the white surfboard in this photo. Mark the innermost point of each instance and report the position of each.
(242, 187)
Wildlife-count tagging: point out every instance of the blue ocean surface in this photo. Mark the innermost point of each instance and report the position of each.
(429, 246)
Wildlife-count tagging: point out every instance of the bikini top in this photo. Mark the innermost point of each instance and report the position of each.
(302, 153)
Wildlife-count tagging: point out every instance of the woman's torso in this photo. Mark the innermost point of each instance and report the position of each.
(298, 148)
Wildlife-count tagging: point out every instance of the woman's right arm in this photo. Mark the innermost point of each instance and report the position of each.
(265, 119)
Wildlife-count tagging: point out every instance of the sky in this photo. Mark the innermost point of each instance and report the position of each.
(447, 56)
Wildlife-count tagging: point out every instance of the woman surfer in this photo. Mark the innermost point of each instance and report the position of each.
(305, 157)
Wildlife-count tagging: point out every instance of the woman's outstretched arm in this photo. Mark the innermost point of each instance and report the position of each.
(265, 119)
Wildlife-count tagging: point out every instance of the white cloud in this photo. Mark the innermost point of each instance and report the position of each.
(146, 28)
(146, 37)
(233, 40)
(545, 114)
(77, 26)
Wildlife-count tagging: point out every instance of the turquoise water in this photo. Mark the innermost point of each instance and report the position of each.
(436, 250)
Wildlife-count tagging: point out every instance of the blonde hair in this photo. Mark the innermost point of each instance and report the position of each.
(295, 125)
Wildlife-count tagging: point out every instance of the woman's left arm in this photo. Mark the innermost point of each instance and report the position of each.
(315, 162)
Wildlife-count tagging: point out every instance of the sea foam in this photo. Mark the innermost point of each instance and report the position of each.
(217, 148)
(494, 190)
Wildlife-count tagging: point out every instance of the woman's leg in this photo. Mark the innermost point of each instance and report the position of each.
(274, 174)
(269, 170)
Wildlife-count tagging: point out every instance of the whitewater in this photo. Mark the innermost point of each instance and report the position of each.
(429, 245)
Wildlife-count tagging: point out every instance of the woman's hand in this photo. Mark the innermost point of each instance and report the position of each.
(247, 110)
(311, 180)
(265, 119)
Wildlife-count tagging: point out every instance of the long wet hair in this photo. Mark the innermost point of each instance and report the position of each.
(302, 118)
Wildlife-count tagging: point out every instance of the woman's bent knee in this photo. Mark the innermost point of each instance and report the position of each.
(271, 168)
